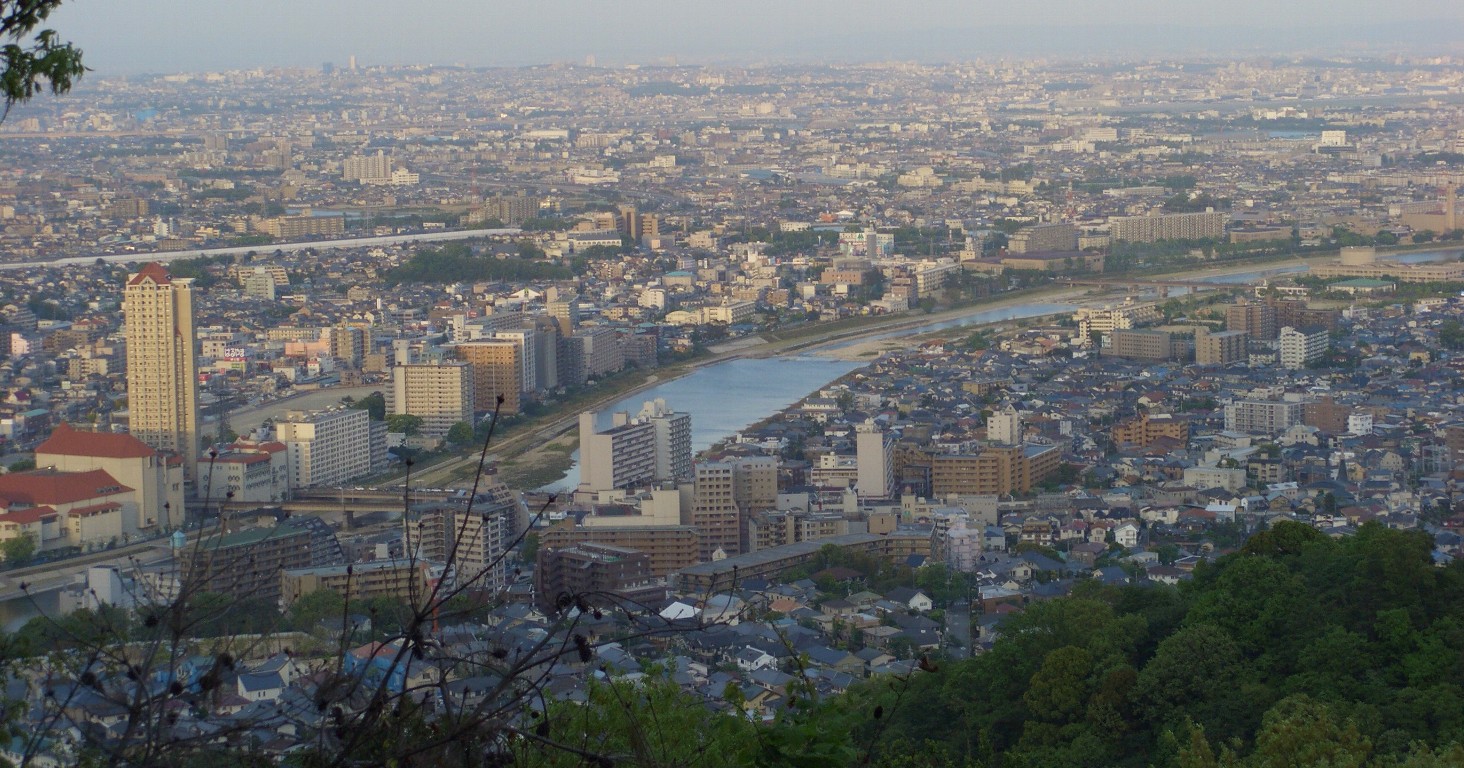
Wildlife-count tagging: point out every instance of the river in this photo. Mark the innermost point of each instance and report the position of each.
(727, 397)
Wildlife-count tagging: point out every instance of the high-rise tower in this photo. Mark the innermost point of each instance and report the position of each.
(162, 376)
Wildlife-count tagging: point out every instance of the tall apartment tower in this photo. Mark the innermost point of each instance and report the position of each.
(1258, 321)
(673, 440)
(162, 376)
(566, 315)
(621, 457)
(655, 446)
(497, 371)
(440, 393)
(874, 457)
(714, 510)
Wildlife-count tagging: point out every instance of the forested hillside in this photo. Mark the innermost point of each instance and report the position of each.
(1299, 650)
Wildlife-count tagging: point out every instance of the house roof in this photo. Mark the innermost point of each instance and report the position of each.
(48, 486)
(67, 441)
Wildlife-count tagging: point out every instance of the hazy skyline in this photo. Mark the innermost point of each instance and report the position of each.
(179, 35)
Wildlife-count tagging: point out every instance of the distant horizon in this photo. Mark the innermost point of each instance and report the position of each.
(177, 36)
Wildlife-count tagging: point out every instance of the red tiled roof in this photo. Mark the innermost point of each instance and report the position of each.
(67, 441)
(153, 271)
(48, 486)
(27, 516)
(95, 509)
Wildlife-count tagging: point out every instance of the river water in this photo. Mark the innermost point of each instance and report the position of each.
(727, 397)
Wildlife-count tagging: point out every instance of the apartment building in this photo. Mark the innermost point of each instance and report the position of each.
(497, 370)
(1301, 347)
(162, 367)
(326, 447)
(440, 393)
(1169, 226)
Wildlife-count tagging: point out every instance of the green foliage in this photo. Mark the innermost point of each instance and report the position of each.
(1300, 650)
(530, 549)
(456, 262)
(22, 465)
(648, 723)
(198, 268)
(374, 404)
(405, 423)
(1451, 334)
(18, 551)
(33, 60)
(460, 434)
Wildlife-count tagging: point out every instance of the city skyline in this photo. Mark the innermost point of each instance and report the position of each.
(169, 36)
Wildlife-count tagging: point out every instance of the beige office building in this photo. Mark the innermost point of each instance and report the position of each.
(162, 376)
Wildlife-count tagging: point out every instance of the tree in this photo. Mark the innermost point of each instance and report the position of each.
(34, 60)
(404, 423)
(460, 434)
(374, 404)
(18, 550)
(23, 465)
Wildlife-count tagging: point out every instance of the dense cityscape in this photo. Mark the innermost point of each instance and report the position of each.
(491, 390)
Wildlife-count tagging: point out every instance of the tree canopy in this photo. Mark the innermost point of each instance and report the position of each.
(34, 60)
(455, 262)
(1298, 650)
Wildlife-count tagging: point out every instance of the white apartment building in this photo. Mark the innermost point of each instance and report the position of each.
(621, 457)
(1271, 417)
(1110, 319)
(874, 461)
(326, 447)
(673, 439)
(1299, 347)
(1168, 226)
(1005, 426)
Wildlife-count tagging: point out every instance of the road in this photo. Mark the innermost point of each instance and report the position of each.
(357, 242)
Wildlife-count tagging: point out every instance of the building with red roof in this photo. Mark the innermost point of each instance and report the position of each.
(60, 509)
(154, 479)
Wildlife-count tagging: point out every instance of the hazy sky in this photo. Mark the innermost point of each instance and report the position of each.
(124, 37)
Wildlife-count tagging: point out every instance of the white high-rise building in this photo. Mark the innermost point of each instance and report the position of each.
(162, 375)
(1005, 426)
(874, 455)
(673, 440)
(1299, 347)
(326, 447)
(621, 457)
(655, 446)
(367, 168)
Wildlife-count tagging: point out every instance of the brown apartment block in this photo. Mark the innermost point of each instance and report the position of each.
(1146, 429)
(496, 371)
(1255, 320)
(601, 574)
(1000, 470)
(670, 547)
(1326, 415)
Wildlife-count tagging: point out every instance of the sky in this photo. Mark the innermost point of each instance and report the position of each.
(161, 36)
